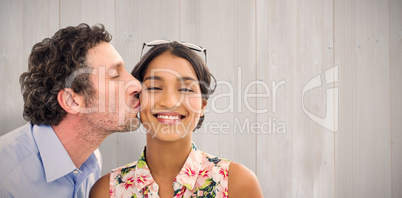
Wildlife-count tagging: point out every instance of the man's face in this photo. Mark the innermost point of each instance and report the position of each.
(115, 105)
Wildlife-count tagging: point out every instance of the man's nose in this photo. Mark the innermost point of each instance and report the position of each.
(133, 86)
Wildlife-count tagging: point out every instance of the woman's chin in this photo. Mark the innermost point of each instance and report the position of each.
(168, 136)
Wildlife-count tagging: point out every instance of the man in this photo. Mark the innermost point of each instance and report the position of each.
(76, 92)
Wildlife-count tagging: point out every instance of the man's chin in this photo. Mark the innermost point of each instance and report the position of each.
(131, 124)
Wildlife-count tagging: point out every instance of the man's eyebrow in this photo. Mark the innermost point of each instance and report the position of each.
(118, 64)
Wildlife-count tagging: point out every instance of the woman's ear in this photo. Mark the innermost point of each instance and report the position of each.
(70, 101)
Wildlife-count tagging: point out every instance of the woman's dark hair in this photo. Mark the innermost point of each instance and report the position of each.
(181, 51)
(53, 61)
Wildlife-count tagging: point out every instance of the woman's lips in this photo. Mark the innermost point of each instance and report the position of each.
(169, 117)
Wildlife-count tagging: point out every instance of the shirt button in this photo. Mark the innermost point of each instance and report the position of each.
(75, 171)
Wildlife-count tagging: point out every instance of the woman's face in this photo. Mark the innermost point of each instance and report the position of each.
(171, 102)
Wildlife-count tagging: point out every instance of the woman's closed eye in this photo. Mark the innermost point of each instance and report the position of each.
(153, 88)
(186, 90)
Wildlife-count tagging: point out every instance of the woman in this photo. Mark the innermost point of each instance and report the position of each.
(176, 85)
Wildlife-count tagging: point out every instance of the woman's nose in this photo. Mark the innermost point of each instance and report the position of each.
(171, 99)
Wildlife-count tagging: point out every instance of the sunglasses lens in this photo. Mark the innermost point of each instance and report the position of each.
(157, 42)
(189, 45)
(193, 47)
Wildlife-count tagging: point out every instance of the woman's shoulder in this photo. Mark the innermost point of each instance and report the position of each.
(101, 187)
(243, 182)
(216, 161)
(125, 168)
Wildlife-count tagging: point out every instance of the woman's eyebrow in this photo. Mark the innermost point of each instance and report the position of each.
(152, 78)
(187, 78)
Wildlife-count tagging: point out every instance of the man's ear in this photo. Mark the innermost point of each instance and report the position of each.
(203, 105)
(70, 101)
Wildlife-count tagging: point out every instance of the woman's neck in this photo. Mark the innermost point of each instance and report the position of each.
(166, 159)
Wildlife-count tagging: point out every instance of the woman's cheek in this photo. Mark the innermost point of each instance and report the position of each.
(194, 104)
(144, 100)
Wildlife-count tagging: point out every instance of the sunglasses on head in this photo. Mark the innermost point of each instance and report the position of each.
(189, 45)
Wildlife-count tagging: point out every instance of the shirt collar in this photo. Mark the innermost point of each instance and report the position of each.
(189, 172)
(187, 176)
(143, 175)
(55, 159)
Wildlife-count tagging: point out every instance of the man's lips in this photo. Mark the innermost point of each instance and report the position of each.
(135, 105)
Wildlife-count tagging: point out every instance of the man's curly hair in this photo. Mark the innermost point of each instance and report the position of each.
(50, 63)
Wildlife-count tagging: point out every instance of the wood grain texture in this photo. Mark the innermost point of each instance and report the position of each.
(140, 22)
(312, 144)
(25, 23)
(74, 12)
(363, 142)
(395, 56)
(228, 34)
(372, 102)
(346, 137)
(266, 47)
(11, 64)
(276, 49)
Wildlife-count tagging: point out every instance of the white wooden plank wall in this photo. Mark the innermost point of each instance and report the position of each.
(263, 53)
(227, 32)
(276, 41)
(363, 151)
(395, 56)
(11, 63)
(132, 16)
(345, 139)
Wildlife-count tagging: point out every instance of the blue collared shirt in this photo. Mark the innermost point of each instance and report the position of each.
(34, 163)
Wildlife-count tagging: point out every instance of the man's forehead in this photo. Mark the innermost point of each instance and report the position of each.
(104, 55)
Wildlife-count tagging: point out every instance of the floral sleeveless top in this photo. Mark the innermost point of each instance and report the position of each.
(202, 175)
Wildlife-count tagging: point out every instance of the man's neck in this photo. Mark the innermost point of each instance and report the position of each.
(79, 140)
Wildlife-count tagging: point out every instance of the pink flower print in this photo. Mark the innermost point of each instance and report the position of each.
(142, 176)
(111, 190)
(126, 188)
(187, 174)
(141, 179)
(145, 192)
(203, 175)
(224, 173)
(222, 192)
(221, 175)
(181, 192)
(128, 181)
